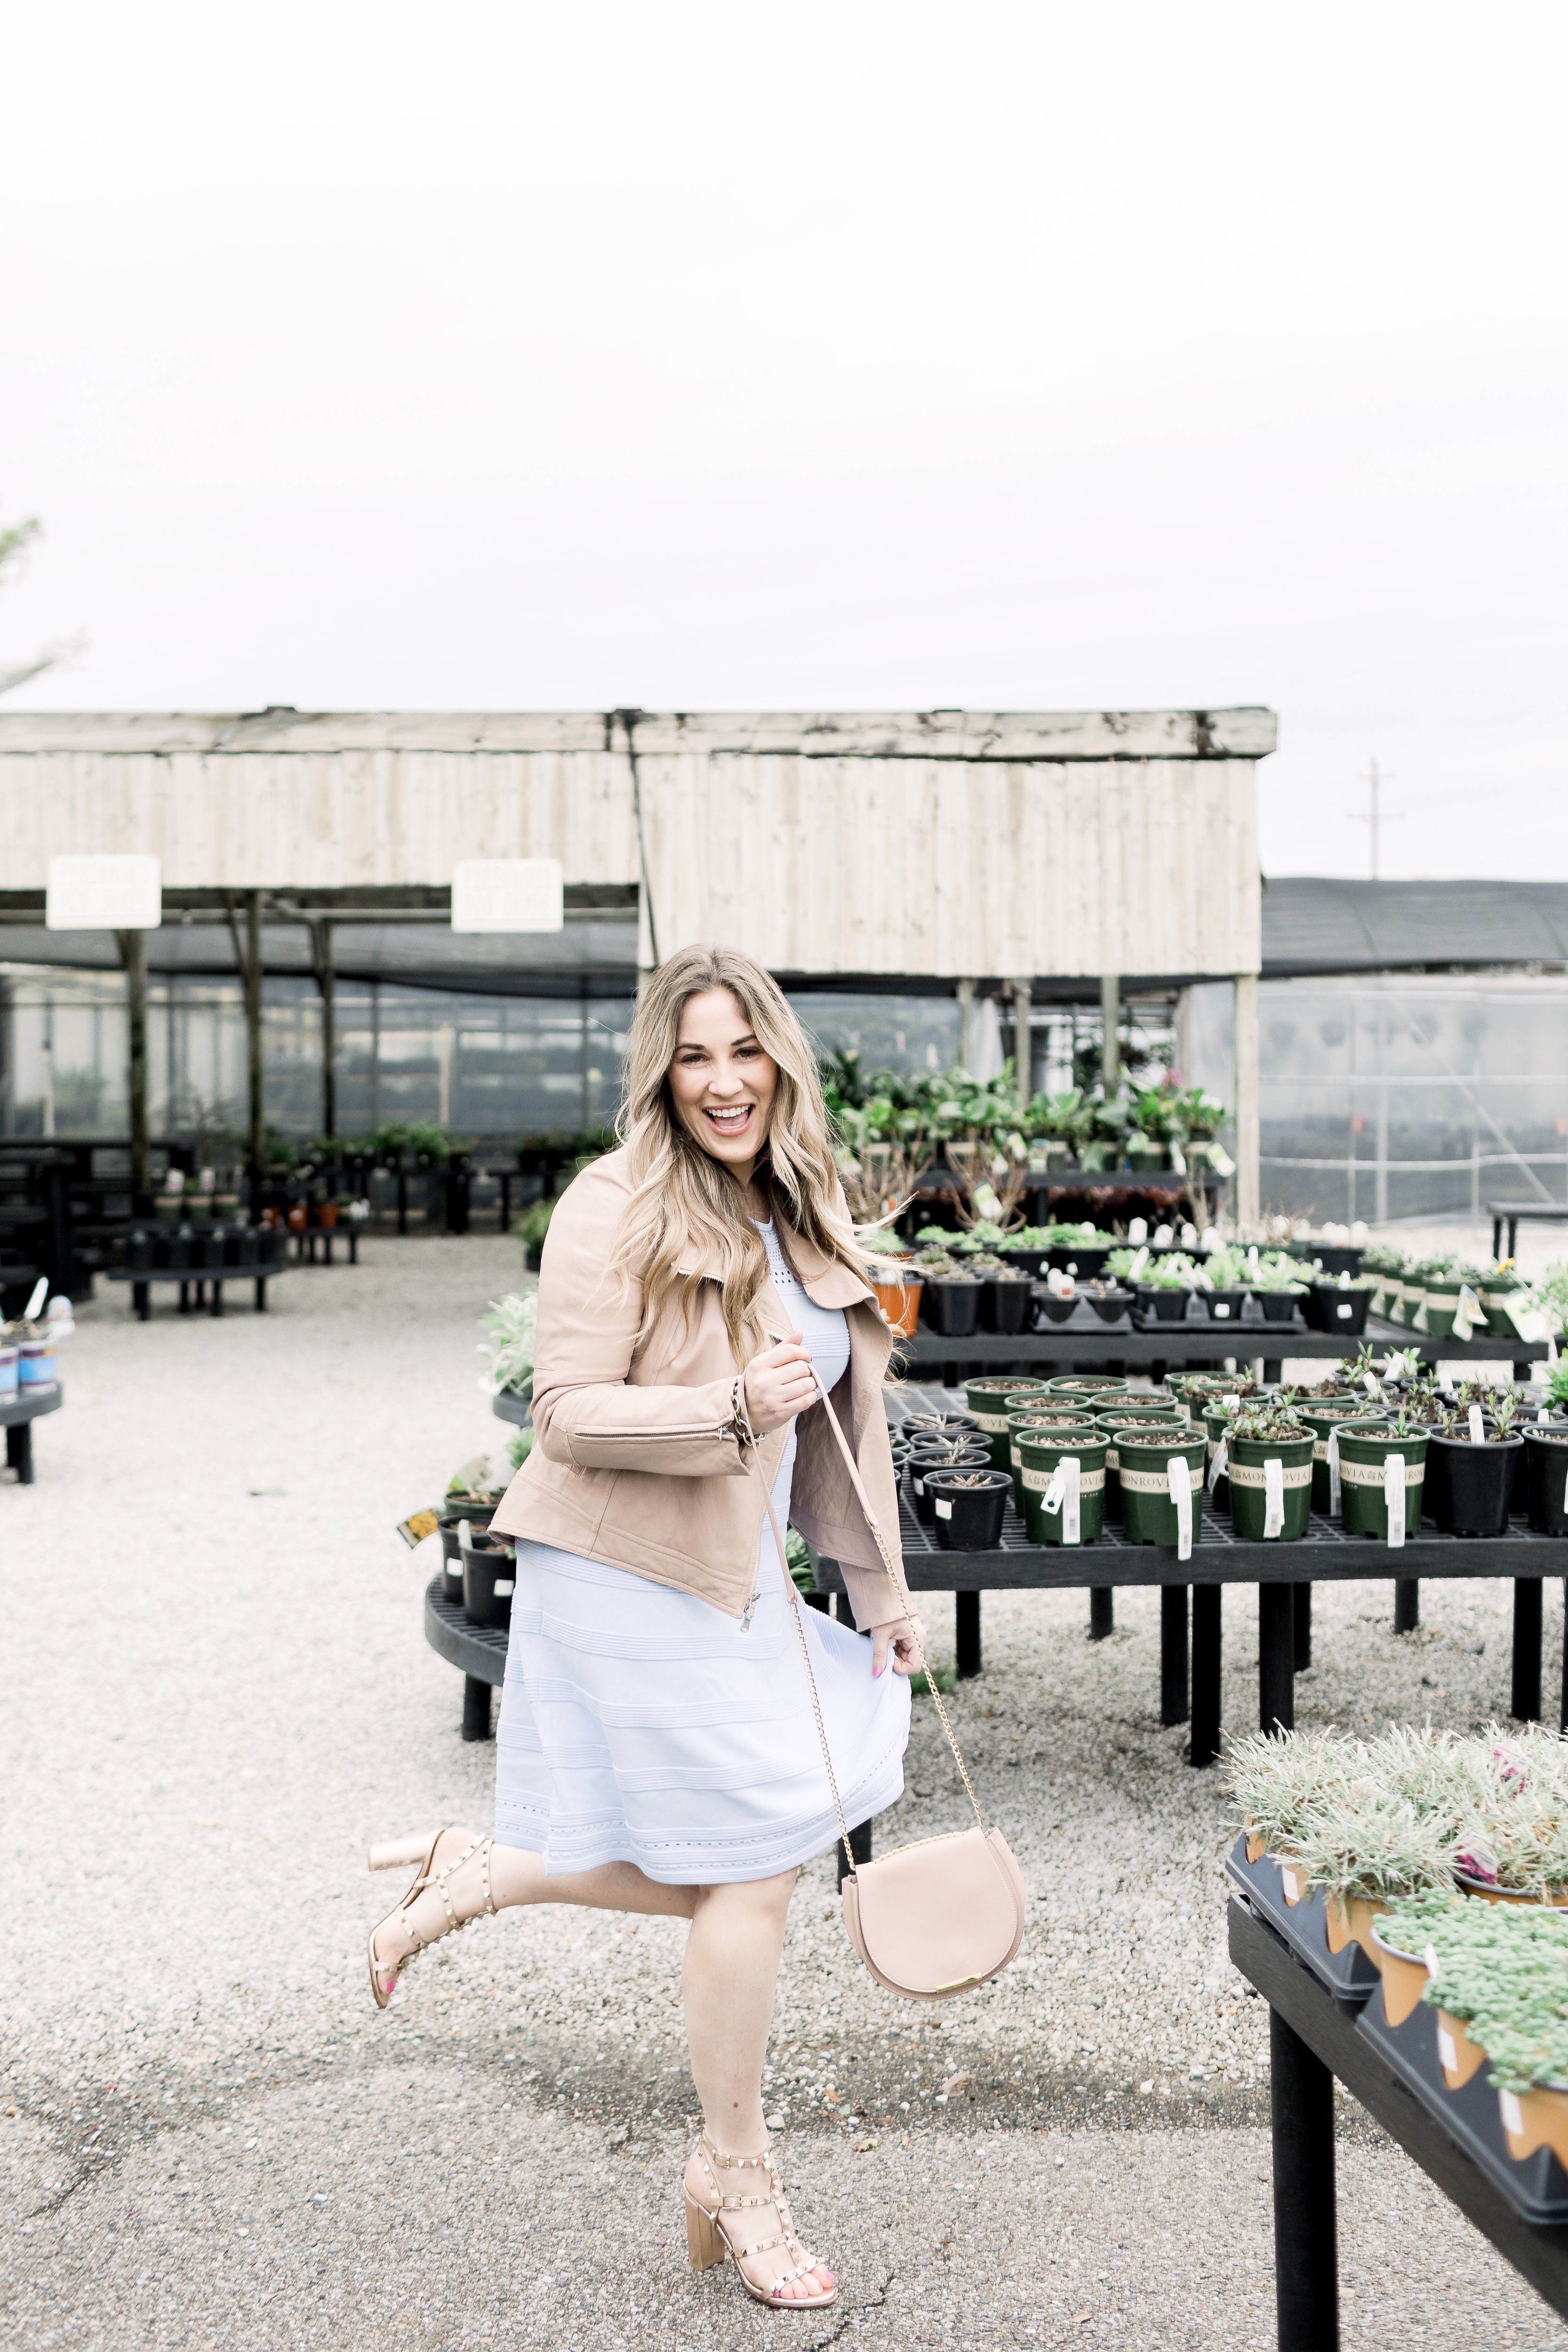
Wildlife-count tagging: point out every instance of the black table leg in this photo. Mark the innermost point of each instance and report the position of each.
(217, 1296)
(475, 1708)
(1102, 1612)
(1172, 1654)
(1273, 1371)
(1406, 1603)
(1526, 1700)
(20, 1451)
(1524, 1371)
(1207, 1629)
(261, 1293)
(184, 1298)
(141, 1299)
(966, 1628)
(1306, 2248)
(1303, 1627)
(1562, 1701)
(1275, 1657)
(859, 1846)
(354, 1244)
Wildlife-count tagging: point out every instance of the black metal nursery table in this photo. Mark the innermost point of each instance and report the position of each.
(18, 1412)
(194, 1285)
(1327, 2019)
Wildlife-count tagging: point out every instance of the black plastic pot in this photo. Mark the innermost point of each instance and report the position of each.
(490, 1571)
(1334, 1260)
(1159, 1305)
(1278, 1306)
(1109, 1306)
(1053, 1309)
(921, 1468)
(1223, 1306)
(451, 1564)
(177, 1249)
(207, 1250)
(939, 1424)
(1005, 1306)
(1031, 1262)
(1330, 1308)
(139, 1253)
(950, 1309)
(968, 1517)
(1546, 1479)
(1478, 1478)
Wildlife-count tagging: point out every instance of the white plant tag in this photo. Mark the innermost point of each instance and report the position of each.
(919, 1485)
(1544, 1412)
(1052, 1500)
(1467, 1313)
(1478, 1434)
(1138, 1265)
(1513, 2113)
(1273, 1497)
(502, 1587)
(1447, 2056)
(1344, 1313)
(943, 1508)
(1430, 1963)
(1216, 1467)
(1068, 1468)
(1138, 1231)
(1333, 1473)
(1179, 1477)
(1231, 1403)
(1288, 1881)
(1394, 1495)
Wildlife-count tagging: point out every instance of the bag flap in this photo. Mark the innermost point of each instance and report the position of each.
(937, 1916)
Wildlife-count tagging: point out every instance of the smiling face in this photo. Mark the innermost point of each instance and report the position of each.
(722, 1082)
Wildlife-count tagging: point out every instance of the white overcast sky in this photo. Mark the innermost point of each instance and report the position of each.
(1017, 356)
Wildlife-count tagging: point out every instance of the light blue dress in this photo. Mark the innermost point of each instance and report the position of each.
(639, 1724)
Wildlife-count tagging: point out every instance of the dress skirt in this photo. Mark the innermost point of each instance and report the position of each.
(639, 1724)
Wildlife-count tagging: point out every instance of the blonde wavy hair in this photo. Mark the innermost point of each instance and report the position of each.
(686, 1207)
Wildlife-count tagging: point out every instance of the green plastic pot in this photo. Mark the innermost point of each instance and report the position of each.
(1439, 1305)
(1216, 1422)
(1041, 1455)
(1363, 1499)
(1321, 1420)
(985, 1401)
(1118, 1412)
(1059, 1416)
(1248, 1492)
(1086, 1385)
(1148, 1513)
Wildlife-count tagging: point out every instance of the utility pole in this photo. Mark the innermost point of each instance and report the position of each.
(1374, 816)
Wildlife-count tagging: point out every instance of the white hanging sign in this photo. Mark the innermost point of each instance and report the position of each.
(508, 894)
(104, 894)
(1394, 1495)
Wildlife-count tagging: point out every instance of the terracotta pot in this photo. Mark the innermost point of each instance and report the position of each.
(1458, 2056)
(1557, 1897)
(901, 1303)
(1533, 2119)
(1404, 1978)
(1350, 1923)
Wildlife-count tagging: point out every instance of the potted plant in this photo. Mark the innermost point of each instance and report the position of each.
(1401, 1938)
(489, 1570)
(927, 1456)
(1341, 1304)
(1222, 1280)
(507, 1358)
(968, 1507)
(1164, 1286)
(1323, 1418)
(1115, 1413)
(1477, 1465)
(1149, 1511)
(1063, 1479)
(1546, 1476)
(1368, 1456)
(1364, 1852)
(1087, 1384)
(1041, 1413)
(950, 1300)
(938, 1424)
(1008, 1294)
(1270, 1466)
(989, 1400)
(1274, 1278)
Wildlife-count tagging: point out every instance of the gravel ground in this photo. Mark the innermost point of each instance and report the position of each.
(217, 1691)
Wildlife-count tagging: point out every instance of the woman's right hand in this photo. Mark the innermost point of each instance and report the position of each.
(778, 1384)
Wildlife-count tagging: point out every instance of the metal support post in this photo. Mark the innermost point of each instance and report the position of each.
(1526, 1700)
(1207, 1627)
(134, 955)
(966, 1629)
(1248, 1194)
(1305, 2251)
(1173, 1704)
(321, 959)
(1276, 1657)
(1110, 1031)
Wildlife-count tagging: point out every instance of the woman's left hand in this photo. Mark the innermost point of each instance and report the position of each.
(898, 1639)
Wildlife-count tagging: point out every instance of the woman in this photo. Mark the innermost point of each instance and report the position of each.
(656, 1750)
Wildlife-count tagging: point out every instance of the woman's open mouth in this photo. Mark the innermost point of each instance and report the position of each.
(732, 1120)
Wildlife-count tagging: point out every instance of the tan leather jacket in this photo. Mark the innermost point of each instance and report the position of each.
(644, 1460)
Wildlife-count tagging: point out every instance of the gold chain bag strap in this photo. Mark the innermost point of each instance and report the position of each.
(933, 1918)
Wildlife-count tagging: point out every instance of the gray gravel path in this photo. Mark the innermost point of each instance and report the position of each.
(217, 1691)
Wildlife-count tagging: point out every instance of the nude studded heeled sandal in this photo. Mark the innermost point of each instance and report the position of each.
(709, 2236)
(383, 1975)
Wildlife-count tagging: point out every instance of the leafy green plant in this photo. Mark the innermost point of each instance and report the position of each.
(1502, 1968)
(1177, 1271)
(1269, 1420)
(531, 1228)
(507, 1358)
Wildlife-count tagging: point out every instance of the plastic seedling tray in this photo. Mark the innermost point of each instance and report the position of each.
(1348, 1975)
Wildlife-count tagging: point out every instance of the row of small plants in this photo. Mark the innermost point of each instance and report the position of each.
(1446, 1858)
(1446, 1297)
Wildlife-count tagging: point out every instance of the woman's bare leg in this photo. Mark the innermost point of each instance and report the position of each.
(728, 1980)
(519, 1877)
